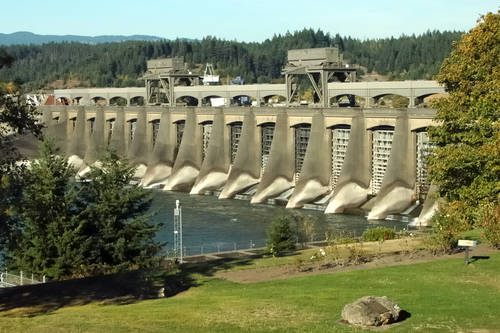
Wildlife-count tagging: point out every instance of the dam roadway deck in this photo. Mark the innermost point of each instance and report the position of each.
(369, 92)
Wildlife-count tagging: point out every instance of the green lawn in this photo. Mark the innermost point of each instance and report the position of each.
(441, 296)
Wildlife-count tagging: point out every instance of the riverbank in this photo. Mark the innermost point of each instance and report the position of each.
(441, 295)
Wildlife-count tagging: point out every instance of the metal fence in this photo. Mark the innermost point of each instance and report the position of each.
(218, 247)
(12, 280)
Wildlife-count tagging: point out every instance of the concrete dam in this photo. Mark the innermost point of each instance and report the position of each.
(340, 159)
(364, 156)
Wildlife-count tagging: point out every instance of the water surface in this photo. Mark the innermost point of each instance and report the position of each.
(212, 225)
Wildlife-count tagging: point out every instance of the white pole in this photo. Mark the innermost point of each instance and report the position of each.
(180, 222)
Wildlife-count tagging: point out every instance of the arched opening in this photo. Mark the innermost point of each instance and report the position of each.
(118, 101)
(340, 140)
(302, 134)
(235, 129)
(186, 101)
(97, 100)
(77, 100)
(241, 100)
(132, 126)
(206, 132)
(423, 150)
(213, 100)
(425, 101)
(62, 101)
(155, 128)
(391, 101)
(267, 135)
(381, 137)
(274, 100)
(110, 125)
(347, 100)
(137, 101)
(90, 125)
(179, 132)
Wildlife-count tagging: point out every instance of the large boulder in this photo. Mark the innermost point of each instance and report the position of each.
(371, 311)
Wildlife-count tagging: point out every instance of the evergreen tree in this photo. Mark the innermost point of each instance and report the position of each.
(122, 64)
(282, 235)
(16, 118)
(115, 227)
(46, 242)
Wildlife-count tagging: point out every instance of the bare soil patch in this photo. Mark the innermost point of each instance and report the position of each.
(384, 259)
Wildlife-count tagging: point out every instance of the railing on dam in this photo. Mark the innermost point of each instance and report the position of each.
(368, 94)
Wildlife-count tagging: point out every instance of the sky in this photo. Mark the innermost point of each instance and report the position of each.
(251, 20)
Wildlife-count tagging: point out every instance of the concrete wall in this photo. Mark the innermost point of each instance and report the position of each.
(188, 171)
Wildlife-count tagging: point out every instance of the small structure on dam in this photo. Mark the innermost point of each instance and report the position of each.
(320, 65)
(162, 76)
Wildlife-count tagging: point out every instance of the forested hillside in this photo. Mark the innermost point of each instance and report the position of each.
(121, 64)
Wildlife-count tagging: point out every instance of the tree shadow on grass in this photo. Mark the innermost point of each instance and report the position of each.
(117, 289)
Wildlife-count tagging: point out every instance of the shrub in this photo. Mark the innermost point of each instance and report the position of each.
(378, 234)
(281, 236)
(489, 218)
(306, 228)
(347, 240)
(448, 225)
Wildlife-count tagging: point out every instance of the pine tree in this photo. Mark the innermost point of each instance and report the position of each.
(282, 235)
(46, 243)
(115, 227)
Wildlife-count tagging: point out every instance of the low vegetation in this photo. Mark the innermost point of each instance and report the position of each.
(378, 234)
(307, 304)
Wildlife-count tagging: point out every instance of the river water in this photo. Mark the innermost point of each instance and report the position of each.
(213, 225)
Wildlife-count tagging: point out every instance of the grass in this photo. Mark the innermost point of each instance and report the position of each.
(441, 296)
(369, 248)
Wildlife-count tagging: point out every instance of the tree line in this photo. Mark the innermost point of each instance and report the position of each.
(122, 64)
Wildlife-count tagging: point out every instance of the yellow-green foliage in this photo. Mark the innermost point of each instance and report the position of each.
(378, 234)
(466, 163)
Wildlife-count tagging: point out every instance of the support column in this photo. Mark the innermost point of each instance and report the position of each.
(411, 100)
(368, 102)
(324, 88)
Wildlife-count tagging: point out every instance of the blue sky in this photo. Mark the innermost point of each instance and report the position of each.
(241, 20)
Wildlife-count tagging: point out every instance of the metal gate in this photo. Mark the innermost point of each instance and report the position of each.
(206, 132)
(179, 130)
(132, 128)
(340, 140)
(267, 134)
(155, 127)
(235, 138)
(302, 134)
(111, 126)
(381, 150)
(424, 147)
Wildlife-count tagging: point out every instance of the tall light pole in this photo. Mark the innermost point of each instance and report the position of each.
(178, 230)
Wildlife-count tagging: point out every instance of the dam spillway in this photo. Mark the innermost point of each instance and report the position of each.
(367, 158)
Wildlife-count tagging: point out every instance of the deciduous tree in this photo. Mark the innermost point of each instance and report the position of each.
(466, 162)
